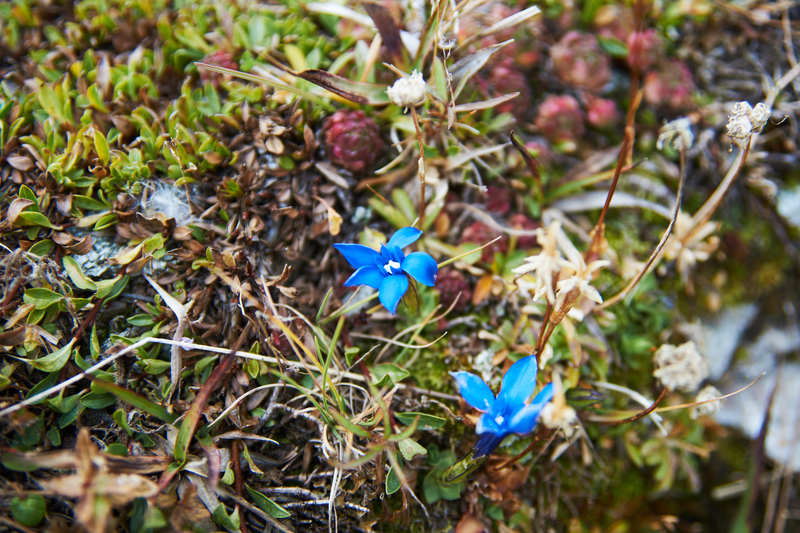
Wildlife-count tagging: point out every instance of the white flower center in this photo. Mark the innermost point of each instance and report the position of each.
(391, 265)
(499, 419)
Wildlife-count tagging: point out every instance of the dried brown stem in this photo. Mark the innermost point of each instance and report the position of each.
(420, 168)
(641, 414)
(625, 154)
(530, 161)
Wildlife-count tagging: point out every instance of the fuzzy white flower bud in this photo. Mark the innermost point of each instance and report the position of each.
(741, 109)
(676, 133)
(560, 417)
(745, 120)
(709, 392)
(739, 127)
(557, 414)
(759, 116)
(680, 367)
(408, 90)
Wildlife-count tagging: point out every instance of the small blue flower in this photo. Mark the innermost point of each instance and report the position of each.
(388, 270)
(509, 412)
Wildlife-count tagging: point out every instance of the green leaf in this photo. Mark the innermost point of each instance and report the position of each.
(87, 202)
(96, 98)
(228, 521)
(349, 425)
(154, 366)
(403, 202)
(41, 298)
(52, 362)
(409, 448)
(121, 418)
(105, 221)
(350, 354)
(389, 212)
(26, 193)
(141, 320)
(97, 400)
(424, 420)
(101, 146)
(613, 47)
(267, 505)
(79, 279)
(42, 248)
(29, 511)
(17, 462)
(388, 374)
(117, 448)
(130, 397)
(392, 482)
(34, 218)
(438, 81)
(108, 289)
(54, 436)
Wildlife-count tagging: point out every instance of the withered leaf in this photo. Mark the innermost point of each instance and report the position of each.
(20, 162)
(17, 207)
(387, 27)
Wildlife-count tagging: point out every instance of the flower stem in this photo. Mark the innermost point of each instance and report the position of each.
(420, 169)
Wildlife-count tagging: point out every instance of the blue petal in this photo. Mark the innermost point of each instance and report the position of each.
(422, 267)
(474, 390)
(367, 275)
(357, 255)
(518, 383)
(391, 290)
(487, 424)
(403, 237)
(524, 420)
(544, 396)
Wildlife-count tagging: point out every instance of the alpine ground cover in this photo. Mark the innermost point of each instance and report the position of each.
(601, 197)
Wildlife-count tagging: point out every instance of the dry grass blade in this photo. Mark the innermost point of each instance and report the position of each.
(181, 311)
(660, 246)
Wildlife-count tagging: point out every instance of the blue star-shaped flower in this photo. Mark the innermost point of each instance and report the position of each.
(509, 412)
(388, 270)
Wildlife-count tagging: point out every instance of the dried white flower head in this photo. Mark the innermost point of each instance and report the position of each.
(408, 90)
(543, 266)
(739, 128)
(688, 245)
(677, 134)
(760, 115)
(745, 120)
(707, 393)
(680, 367)
(579, 282)
(557, 414)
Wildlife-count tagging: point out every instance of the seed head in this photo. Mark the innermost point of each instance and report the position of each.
(408, 90)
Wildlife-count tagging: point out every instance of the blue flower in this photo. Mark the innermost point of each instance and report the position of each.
(509, 412)
(388, 270)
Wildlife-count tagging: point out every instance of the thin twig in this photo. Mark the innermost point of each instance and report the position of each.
(625, 152)
(420, 168)
(644, 412)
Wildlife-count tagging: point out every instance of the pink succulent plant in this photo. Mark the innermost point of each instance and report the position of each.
(645, 49)
(670, 85)
(352, 140)
(560, 118)
(601, 112)
(506, 78)
(579, 61)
